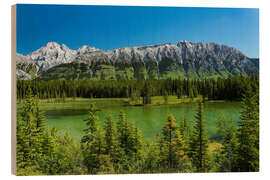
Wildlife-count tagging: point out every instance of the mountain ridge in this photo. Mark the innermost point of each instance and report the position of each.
(185, 58)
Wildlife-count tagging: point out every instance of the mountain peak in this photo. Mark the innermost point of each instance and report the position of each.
(86, 49)
(54, 47)
(207, 55)
(184, 42)
(52, 44)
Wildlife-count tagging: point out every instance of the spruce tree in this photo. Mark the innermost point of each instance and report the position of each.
(227, 132)
(147, 93)
(152, 159)
(230, 145)
(123, 132)
(90, 124)
(123, 140)
(109, 134)
(22, 143)
(40, 119)
(185, 130)
(29, 132)
(92, 143)
(135, 144)
(248, 153)
(111, 143)
(172, 146)
(200, 142)
(94, 154)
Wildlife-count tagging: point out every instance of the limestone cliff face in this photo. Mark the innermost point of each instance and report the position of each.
(185, 57)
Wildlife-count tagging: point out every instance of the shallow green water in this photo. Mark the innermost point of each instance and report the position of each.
(150, 119)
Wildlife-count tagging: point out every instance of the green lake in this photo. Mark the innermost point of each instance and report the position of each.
(150, 119)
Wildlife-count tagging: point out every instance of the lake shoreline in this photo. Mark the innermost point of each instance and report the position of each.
(156, 101)
(69, 115)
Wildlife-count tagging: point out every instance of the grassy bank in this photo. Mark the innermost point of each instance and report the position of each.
(156, 100)
(161, 100)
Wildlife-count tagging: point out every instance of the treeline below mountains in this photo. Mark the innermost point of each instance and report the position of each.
(230, 88)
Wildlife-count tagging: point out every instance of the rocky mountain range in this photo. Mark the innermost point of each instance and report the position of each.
(184, 60)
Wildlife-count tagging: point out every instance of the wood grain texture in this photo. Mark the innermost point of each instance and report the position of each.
(13, 89)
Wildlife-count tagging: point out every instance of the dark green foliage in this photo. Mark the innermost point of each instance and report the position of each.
(94, 154)
(109, 134)
(200, 142)
(29, 132)
(39, 149)
(146, 93)
(228, 138)
(230, 88)
(172, 155)
(135, 96)
(185, 130)
(93, 146)
(123, 132)
(168, 65)
(91, 126)
(111, 143)
(248, 153)
(152, 69)
(152, 159)
(57, 162)
(130, 143)
(140, 71)
(122, 149)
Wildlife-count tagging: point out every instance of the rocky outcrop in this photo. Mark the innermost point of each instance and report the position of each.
(186, 57)
(22, 75)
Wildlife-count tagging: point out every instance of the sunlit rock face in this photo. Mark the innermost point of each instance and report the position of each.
(185, 57)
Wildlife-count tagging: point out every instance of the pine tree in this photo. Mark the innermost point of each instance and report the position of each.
(22, 141)
(94, 155)
(248, 152)
(147, 93)
(227, 132)
(49, 161)
(123, 138)
(91, 125)
(152, 159)
(172, 146)
(199, 143)
(109, 134)
(92, 143)
(123, 132)
(230, 145)
(183, 163)
(135, 144)
(112, 145)
(185, 130)
(186, 134)
(101, 161)
(29, 132)
(40, 119)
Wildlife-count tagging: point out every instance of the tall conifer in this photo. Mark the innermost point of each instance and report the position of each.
(248, 152)
(172, 146)
(200, 143)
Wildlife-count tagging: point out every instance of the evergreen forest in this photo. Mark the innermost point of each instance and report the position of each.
(119, 147)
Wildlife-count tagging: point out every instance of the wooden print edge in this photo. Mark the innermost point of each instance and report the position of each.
(13, 89)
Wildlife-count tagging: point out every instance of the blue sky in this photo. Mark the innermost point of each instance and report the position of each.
(109, 27)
